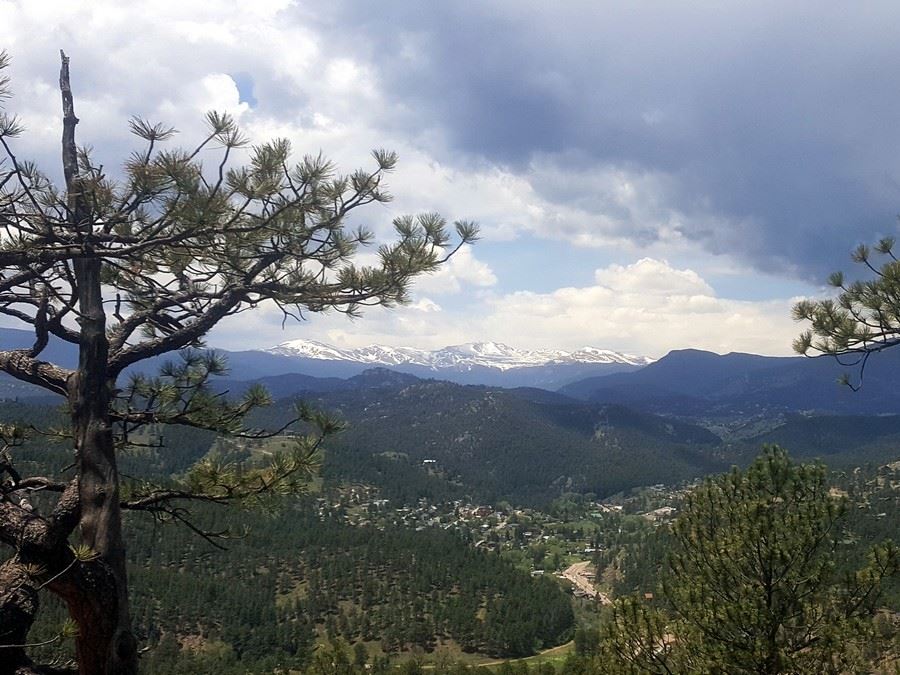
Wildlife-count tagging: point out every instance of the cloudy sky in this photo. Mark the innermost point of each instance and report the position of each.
(647, 175)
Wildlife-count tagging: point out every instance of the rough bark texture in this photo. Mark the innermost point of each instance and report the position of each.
(18, 606)
(99, 602)
(41, 553)
(21, 366)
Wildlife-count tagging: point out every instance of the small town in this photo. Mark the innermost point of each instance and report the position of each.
(568, 540)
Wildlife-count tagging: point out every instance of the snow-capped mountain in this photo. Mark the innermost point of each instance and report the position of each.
(493, 355)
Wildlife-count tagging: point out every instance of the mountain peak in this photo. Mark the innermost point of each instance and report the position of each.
(494, 355)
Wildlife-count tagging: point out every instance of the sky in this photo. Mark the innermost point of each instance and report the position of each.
(647, 176)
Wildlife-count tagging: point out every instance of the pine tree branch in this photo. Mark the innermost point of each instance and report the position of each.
(20, 365)
(28, 532)
(179, 339)
(156, 499)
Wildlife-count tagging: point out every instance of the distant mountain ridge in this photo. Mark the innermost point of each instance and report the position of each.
(483, 363)
(695, 383)
(459, 357)
(687, 383)
(686, 415)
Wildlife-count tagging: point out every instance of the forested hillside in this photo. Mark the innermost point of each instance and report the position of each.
(300, 574)
(496, 444)
(529, 446)
(305, 575)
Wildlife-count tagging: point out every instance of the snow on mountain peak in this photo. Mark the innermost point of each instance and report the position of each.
(464, 356)
(309, 349)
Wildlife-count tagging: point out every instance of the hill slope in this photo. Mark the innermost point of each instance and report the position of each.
(698, 383)
(499, 444)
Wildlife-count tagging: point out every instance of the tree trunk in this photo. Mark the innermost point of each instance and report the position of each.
(18, 606)
(40, 544)
(105, 644)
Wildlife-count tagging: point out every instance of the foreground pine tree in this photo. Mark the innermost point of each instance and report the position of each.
(756, 582)
(135, 268)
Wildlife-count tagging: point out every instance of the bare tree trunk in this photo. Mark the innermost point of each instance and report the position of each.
(105, 644)
(18, 605)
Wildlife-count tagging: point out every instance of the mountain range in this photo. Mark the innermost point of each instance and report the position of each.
(462, 357)
(685, 415)
(429, 438)
(698, 384)
(489, 363)
(688, 383)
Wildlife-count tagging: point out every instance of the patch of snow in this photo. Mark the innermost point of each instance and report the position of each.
(459, 357)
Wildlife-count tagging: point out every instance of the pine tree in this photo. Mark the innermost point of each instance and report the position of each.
(863, 319)
(754, 581)
(134, 268)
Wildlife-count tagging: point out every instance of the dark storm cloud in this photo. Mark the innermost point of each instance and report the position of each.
(775, 125)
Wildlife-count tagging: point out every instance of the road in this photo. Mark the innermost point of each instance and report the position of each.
(578, 575)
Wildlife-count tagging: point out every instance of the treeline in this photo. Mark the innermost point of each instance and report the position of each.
(299, 575)
(634, 553)
(779, 568)
(402, 588)
(413, 589)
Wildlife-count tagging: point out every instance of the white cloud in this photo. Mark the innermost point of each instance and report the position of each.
(654, 277)
(462, 269)
(647, 307)
(425, 305)
(218, 91)
(630, 309)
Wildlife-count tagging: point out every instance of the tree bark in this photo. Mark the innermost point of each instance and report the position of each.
(41, 553)
(99, 602)
(18, 606)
